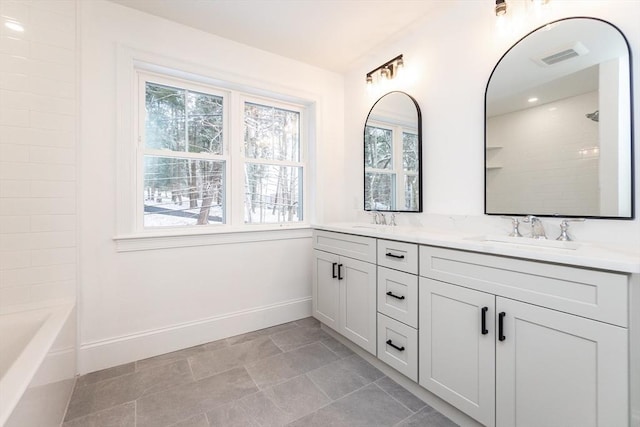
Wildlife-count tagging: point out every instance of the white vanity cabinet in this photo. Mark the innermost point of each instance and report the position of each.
(523, 343)
(398, 306)
(344, 285)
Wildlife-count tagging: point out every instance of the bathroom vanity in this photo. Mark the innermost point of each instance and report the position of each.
(509, 334)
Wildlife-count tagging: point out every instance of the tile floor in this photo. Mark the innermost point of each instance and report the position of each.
(293, 374)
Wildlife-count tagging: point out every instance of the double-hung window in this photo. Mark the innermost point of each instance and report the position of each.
(391, 167)
(213, 156)
(273, 169)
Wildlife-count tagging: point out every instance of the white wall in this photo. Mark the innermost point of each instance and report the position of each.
(448, 60)
(141, 303)
(38, 152)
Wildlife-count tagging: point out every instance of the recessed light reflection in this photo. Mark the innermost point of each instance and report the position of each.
(553, 108)
(15, 26)
(532, 99)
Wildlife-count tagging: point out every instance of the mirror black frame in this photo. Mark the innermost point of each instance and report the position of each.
(419, 127)
(631, 139)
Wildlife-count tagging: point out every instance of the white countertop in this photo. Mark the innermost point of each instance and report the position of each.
(588, 254)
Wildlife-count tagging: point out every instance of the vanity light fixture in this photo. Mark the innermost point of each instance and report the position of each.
(14, 25)
(501, 7)
(386, 71)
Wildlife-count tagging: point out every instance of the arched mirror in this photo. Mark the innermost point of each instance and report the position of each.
(558, 130)
(392, 154)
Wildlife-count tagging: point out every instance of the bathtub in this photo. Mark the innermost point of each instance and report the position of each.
(26, 338)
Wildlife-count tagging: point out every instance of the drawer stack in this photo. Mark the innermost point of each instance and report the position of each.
(398, 306)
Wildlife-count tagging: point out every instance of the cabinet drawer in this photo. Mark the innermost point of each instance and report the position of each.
(595, 294)
(358, 247)
(403, 354)
(398, 255)
(398, 295)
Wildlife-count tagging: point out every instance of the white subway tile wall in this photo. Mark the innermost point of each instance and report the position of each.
(38, 120)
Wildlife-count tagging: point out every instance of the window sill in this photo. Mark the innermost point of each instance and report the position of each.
(187, 238)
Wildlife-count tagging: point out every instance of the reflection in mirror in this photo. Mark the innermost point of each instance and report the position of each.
(392, 152)
(558, 124)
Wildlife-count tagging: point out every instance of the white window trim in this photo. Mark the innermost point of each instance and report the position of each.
(142, 78)
(130, 238)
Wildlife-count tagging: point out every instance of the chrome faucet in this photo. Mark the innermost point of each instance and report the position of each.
(379, 218)
(392, 219)
(515, 223)
(537, 228)
(564, 226)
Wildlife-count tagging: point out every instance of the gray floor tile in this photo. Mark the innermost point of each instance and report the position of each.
(261, 333)
(179, 403)
(401, 394)
(427, 417)
(216, 345)
(119, 416)
(199, 420)
(214, 362)
(337, 347)
(308, 322)
(344, 376)
(231, 415)
(125, 388)
(105, 374)
(294, 338)
(281, 367)
(367, 407)
(283, 403)
(174, 356)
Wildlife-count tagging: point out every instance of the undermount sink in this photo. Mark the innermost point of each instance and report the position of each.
(370, 227)
(527, 241)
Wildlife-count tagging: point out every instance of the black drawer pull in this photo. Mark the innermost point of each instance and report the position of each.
(395, 296)
(389, 254)
(389, 342)
(501, 336)
(340, 272)
(333, 270)
(484, 331)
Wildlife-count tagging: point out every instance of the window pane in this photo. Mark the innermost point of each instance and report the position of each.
(271, 133)
(273, 194)
(164, 123)
(411, 186)
(409, 151)
(183, 192)
(379, 191)
(205, 123)
(378, 150)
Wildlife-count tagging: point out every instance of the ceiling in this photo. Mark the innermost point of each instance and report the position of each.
(330, 34)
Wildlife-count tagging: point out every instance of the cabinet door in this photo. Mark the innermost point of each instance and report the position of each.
(557, 369)
(358, 303)
(326, 290)
(457, 355)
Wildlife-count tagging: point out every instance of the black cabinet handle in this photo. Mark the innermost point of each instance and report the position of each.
(395, 296)
(333, 270)
(389, 342)
(340, 272)
(501, 336)
(389, 254)
(485, 331)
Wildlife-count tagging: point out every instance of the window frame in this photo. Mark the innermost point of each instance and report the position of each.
(302, 151)
(143, 77)
(232, 154)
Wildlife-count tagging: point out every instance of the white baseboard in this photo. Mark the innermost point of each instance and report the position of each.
(103, 354)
